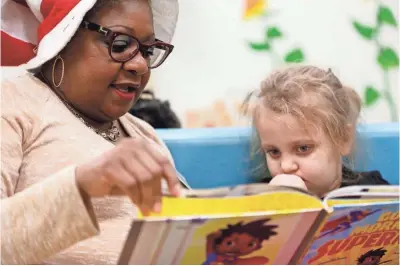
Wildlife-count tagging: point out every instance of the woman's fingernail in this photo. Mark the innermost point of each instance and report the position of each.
(157, 207)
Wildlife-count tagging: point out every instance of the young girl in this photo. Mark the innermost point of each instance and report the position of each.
(305, 122)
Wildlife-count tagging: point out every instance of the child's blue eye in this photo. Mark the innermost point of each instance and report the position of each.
(304, 148)
(273, 152)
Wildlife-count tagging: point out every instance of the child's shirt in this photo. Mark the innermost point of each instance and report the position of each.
(352, 178)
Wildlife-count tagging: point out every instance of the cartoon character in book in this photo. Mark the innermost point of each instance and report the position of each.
(343, 223)
(372, 257)
(228, 246)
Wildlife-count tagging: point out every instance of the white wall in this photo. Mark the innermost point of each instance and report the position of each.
(212, 61)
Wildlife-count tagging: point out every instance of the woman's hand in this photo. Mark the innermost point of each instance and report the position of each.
(289, 181)
(135, 168)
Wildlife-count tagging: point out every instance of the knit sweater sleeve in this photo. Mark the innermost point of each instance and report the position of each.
(46, 217)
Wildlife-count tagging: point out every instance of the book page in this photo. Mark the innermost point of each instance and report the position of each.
(239, 190)
(356, 195)
(142, 244)
(286, 201)
(376, 191)
(363, 234)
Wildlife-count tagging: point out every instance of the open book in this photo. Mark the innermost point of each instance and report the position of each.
(263, 224)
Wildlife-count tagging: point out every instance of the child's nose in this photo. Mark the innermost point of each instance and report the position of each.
(288, 165)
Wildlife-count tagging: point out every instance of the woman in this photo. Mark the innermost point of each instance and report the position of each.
(64, 145)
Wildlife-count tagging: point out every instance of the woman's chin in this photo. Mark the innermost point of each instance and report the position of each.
(117, 112)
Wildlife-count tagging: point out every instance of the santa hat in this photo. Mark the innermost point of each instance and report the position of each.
(35, 31)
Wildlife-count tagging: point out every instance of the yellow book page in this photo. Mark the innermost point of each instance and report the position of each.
(277, 202)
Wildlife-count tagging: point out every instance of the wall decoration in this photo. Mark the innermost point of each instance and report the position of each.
(221, 113)
(387, 59)
(225, 113)
(271, 35)
(254, 8)
(216, 115)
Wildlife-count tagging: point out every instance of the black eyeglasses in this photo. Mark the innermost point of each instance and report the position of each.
(123, 47)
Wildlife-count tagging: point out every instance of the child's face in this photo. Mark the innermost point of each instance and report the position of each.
(290, 149)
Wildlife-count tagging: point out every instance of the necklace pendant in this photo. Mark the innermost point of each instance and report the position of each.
(103, 134)
(113, 137)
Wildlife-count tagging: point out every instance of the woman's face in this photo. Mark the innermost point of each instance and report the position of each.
(91, 77)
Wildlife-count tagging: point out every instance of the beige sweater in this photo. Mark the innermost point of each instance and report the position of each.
(43, 217)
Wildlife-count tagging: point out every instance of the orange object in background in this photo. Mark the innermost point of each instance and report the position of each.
(254, 8)
(215, 116)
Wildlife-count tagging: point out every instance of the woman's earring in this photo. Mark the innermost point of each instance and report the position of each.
(54, 69)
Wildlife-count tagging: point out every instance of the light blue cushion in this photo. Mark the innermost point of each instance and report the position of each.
(213, 157)
(378, 149)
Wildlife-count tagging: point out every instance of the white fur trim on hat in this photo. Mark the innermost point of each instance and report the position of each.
(165, 16)
(34, 6)
(54, 41)
(18, 28)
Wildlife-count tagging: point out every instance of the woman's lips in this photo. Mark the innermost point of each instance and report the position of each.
(124, 91)
(125, 95)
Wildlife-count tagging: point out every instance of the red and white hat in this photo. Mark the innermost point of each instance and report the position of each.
(50, 24)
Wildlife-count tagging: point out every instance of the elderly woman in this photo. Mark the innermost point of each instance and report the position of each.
(65, 151)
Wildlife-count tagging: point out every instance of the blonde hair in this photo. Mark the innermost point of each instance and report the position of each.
(312, 95)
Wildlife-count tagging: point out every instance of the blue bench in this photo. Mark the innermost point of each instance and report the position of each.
(214, 157)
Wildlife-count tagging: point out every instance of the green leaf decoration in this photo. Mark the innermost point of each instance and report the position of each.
(388, 58)
(273, 32)
(365, 31)
(294, 56)
(371, 95)
(385, 16)
(262, 46)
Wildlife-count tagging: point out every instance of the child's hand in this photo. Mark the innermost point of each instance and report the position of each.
(289, 181)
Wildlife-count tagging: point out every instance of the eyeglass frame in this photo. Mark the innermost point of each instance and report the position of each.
(111, 35)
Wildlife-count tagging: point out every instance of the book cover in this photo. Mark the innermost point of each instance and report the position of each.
(269, 225)
(254, 240)
(365, 234)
